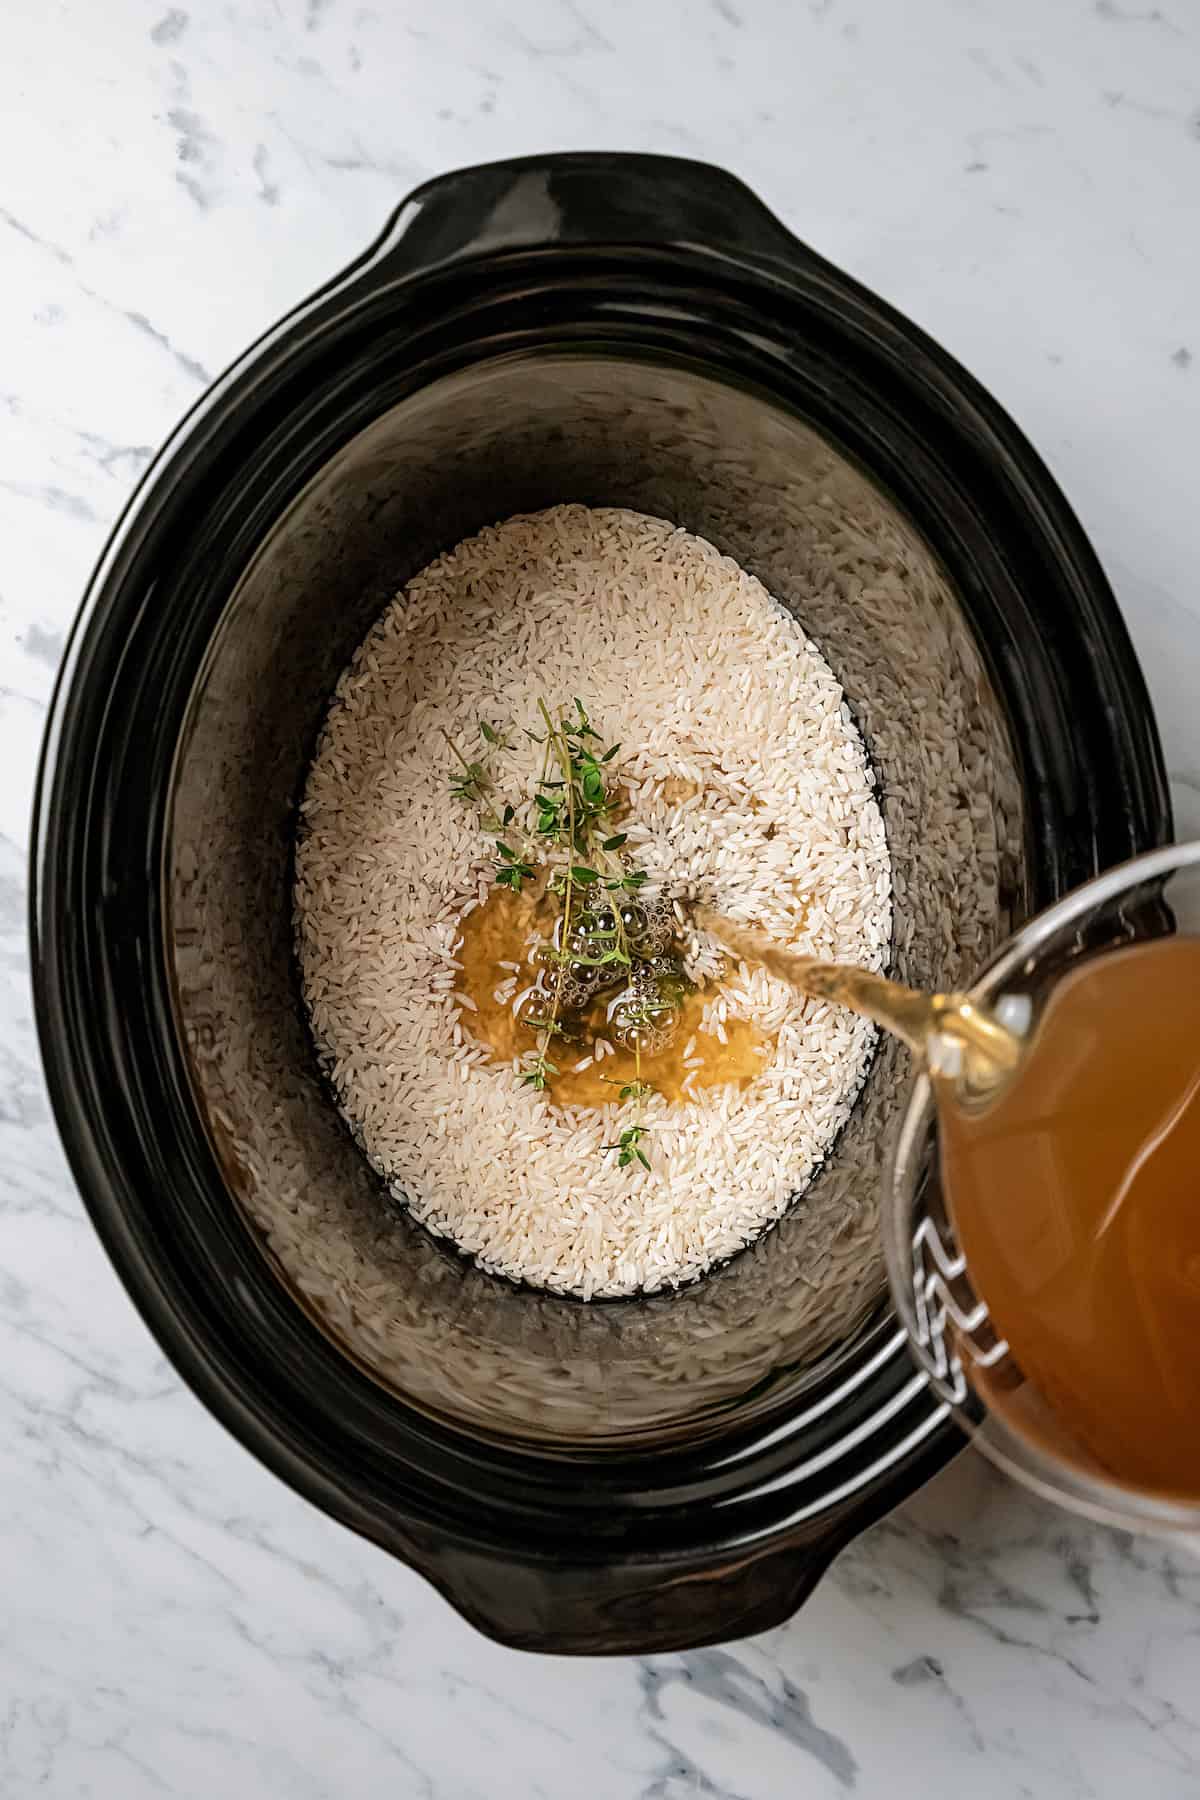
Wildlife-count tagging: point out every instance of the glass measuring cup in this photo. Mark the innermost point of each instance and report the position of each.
(951, 1334)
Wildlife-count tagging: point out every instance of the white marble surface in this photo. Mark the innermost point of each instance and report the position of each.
(1021, 176)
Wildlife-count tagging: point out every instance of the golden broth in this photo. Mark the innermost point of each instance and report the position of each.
(506, 929)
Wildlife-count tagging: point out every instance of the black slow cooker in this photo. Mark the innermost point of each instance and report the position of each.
(619, 330)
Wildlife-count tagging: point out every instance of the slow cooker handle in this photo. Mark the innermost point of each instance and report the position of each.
(585, 199)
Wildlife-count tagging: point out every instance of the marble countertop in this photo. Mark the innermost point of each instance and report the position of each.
(1020, 176)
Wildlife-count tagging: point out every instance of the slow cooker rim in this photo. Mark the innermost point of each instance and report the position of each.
(107, 1211)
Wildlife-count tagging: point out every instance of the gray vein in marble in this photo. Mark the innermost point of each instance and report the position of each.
(119, 1747)
(141, 323)
(1078, 1571)
(928, 1671)
(29, 1191)
(719, 1676)
(118, 459)
(12, 898)
(54, 250)
(56, 498)
(362, 161)
(138, 320)
(991, 68)
(170, 27)
(586, 38)
(972, 1592)
(1127, 15)
(589, 30)
(917, 1672)
(22, 1099)
(194, 149)
(1007, 134)
(1117, 97)
(37, 702)
(268, 190)
(1178, 1575)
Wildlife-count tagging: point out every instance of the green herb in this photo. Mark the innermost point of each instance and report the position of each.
(512, 869)
(630, 1090)
(470, 783)
(549, 815)
(601, 943)
(584, 728)
(538, 1071)
(629, 1147)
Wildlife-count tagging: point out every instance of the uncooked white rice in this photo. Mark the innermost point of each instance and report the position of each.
(688, 663)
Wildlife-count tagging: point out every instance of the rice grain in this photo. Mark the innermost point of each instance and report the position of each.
(716, 696)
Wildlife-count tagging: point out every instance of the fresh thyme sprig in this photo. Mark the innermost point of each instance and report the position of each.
(629, 1147)
(538, 1071)
(560, 751)
(513, 869)
(568, 827)
(470, 782)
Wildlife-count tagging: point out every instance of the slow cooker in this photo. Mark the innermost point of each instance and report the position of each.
(635, 331)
